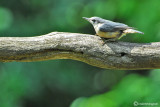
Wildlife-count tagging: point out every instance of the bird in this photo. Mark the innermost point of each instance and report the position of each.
(109, 29)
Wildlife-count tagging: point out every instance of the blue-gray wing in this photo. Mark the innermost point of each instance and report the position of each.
(113, 27)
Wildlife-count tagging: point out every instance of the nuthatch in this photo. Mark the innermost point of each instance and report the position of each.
(109, 29)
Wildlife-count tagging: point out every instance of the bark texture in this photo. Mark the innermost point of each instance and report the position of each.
(87, 48)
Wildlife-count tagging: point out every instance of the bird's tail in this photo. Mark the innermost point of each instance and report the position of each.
(132, 31)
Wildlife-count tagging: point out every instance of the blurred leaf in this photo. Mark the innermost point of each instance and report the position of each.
(131, 88)
(6, 18)
(13, 85)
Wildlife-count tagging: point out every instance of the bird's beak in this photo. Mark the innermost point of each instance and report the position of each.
(86, 18)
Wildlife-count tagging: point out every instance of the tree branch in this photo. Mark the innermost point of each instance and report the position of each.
(82, 47)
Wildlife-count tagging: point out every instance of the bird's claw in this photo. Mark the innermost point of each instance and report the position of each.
(109, 40)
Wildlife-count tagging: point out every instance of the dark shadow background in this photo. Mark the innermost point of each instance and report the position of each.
(64, 83)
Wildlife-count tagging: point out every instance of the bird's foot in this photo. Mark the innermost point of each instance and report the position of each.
(96, 35)
(109, 40)
(106, 40)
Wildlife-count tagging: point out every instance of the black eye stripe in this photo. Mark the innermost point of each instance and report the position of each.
(94, 20)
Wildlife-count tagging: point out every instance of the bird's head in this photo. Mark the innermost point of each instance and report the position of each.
(95, 20)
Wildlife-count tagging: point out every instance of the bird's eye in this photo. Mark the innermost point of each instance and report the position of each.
(94, 20)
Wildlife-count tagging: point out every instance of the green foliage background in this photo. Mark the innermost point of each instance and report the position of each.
(63, 83)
